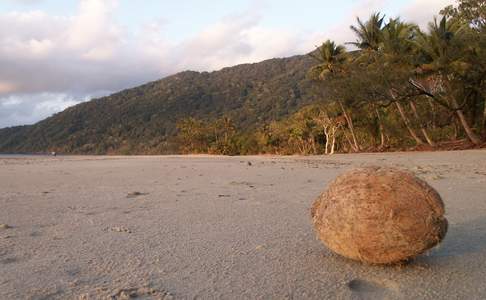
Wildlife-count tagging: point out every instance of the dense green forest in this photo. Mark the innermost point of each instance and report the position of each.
(400, 88)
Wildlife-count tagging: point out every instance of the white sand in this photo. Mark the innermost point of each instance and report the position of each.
(214, 227)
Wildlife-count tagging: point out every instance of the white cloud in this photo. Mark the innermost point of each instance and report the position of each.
(235, 40)
(24, 108)
(89, 53)
(93, 31)
(422, 12)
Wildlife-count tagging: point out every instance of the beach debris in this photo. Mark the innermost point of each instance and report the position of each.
(4, 226)
(249, 163)
(260, 247)
(224, 196)
(379, 215)
(121, 229)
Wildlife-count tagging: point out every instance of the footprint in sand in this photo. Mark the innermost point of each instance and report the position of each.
(142, 293)
(364, 289)
(136, 194)
(131, 293)
(8, 260)
(35, 234)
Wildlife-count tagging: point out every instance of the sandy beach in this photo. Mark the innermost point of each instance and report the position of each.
(202, 227)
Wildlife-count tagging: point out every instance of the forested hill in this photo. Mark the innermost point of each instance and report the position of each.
(143, 119)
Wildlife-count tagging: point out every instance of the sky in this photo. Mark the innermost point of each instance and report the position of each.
(57, 53)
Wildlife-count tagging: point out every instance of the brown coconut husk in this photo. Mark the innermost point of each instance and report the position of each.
(379, 215)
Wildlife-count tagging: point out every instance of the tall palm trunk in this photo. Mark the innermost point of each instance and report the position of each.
(351, 147)
(462, 119)
(405, 119)
(349, 121)
(422, 127)
(465, 125)
(407, 124)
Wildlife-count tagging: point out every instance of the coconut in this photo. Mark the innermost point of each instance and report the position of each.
(379, 215)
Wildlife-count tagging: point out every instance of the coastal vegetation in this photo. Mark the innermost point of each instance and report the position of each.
(401, 88)
(395, 87)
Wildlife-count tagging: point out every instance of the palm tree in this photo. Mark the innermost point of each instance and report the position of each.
(384, 44)
(439, 47)
(443, 52)
(397, 49)
(369, 33)
(331, 57)
(396, 36)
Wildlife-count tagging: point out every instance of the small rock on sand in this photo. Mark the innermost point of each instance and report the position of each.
(4, 226)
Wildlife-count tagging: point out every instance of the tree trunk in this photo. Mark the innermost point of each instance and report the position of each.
(302, 147)
(484, 116)
(407, 123)
(455, 133)
(434, 113)
(313, 144)
(349, 121)
(333, 140)
(422, 127)
(382, 129)
(348, 140)
(462, 119)
(326, 133)
(469, 132)
(455, 107)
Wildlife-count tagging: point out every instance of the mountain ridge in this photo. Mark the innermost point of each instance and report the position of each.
(143, 119)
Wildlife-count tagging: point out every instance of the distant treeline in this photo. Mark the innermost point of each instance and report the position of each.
(401, 88)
